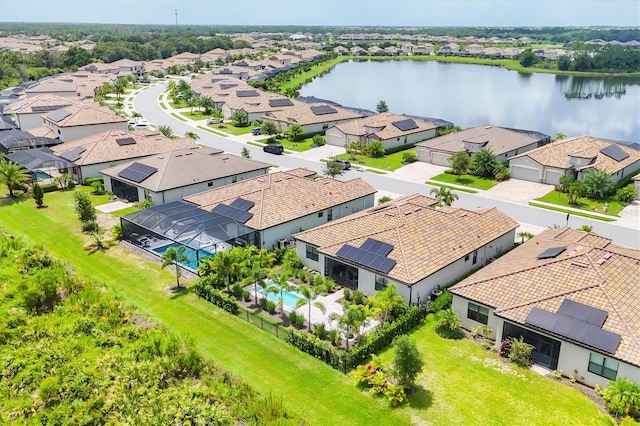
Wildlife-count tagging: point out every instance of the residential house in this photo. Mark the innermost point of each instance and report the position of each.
(120, 67)
(28, 112)
(341, 50)
(13, 140)
(572, 295)
(389, 128)
(172, 175)
(257, 106)
(574, 156)
(636, 184)
(82, 119)
(408, 242)
(358, 51)
(107, 149)
(283, 203)
(503, 142)
(314, 117)
(423, 49)
(449, 49)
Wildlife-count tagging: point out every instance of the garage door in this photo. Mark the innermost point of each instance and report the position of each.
(525, 173)
(440, 159)
(423, 155)
(552, 177)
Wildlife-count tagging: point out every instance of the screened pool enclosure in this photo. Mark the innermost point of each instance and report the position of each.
(203, 233)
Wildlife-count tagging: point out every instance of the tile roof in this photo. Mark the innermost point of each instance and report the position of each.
(281, 197)
(381, 125)
(591, 271)
(84, 114)
(42, 102)
(303, 114)
(43, 132)
(186, 167)
(498, 139)
(103, 148)
(558, 153)
(425, 239)
(52, 85)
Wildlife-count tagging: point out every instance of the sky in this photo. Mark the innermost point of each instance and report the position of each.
(427, 13)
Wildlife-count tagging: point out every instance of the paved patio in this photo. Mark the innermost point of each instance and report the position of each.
(113, 206)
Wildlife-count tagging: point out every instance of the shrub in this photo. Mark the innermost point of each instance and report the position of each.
(271, 307)
(375, 149)
(622, 397)
(299, 321)
(293, 315)
(347, 294)
(263, 303)
(505, 348)
(449, 172)
(448, 320)
(89, 181)
(236, 289)
(321, 331)
(626, 194)
(117, 232)
(216, 297)
(49, 187)
(384, 199)
(442, 302)
(358, 297)
(318, 140)
(48, 389)
(520, 352)
(333, 337)
(246, 295)
(395, 395)
(409, 157)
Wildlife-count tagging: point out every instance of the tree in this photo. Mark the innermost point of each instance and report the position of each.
(84, 209)
(528, 58)
(524, 235)
(598, 183)
(245, 152)
(225, 264)
(384, 199)
(175, 257)
(294, 131)
(258, 278)
(38, 194)
(13, 175)
(459, 162)
(622, 397)
(484, 162)
(444, 195)
(558, 137)
(192, 135)
(281, 284)
(120, 86)
(448, 319)
(375, 149)
(333, 168)
(309, 295)
(98, 237)
(385, 301)
(407, 362)
(64, 180)
(166, 130)
(352, 149)
(270, 128)
(207, 104)
(575, 191)
(239, 118)
(626, 194)
(217, 113)
(382, 106)
(564, 63)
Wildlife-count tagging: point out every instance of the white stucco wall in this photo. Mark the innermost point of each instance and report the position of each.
(29, 121)
(68, 134)
(460, 305)
(409, 139)
(335, 136)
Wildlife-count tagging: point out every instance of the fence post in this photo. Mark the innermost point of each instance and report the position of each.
(261, 323)
(247, 311)
(277, 327)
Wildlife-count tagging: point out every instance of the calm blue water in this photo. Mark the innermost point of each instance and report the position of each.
(472, 95)
(40, 175)
(192, 263)
(289, 298)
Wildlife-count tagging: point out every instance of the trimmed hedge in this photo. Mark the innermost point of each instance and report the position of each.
(91, 180)
(216, 297)
(49, 187)
(399, 148)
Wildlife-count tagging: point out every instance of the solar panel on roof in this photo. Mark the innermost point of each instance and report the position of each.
(405, 125)
(45, 108)
(72, 154)
(574, 329)
(551, 252)
(232, 213)
(246, 93)
(583, 312)
(227, 86)
(377, 247)
(58, 115)
(323, 109)
(280, 102)
(242, 204)
(137, 172)
(371, 260)
(614, 152)
(126, 141)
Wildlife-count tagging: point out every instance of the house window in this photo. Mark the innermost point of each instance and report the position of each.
(329, 215)
(209, 183)
(381, 283)
(234, 179)
(475, 256)
(478, 313)
(466, 258)
(602, 366)
(320, 214)
(312, 253)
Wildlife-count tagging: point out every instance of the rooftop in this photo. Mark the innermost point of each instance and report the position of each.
(305, 114)
(385, 126)
(83, 114)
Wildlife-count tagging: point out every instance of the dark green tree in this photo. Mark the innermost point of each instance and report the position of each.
(459, 162)
(294, 131)
(407, 362)
(38, 194)
(382, 106)
(13, 175)
(598, 182)
(84, 209)
(175, 257)
(528, 58)
(484, 162)
(333, 168)
(239, 118)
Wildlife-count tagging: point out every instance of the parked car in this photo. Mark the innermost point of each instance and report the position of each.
(213, 120)
(274, 148)
(344, 163)
(141, 125)
(256, 131)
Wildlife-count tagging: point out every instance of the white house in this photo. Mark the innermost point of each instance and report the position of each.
(28, 112)
(389, 128)
(289, 201)
(575, 156)
(314, 117)
(170, 176)
(81, 120)
(636, 184)
(573, 295)
(407, 241)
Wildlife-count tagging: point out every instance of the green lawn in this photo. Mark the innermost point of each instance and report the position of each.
(453, 188)
(462, 384)
(388, 162)
(126, 211)
(163, 105)
(466, 180)
(586, 204)
(178, 116)
(230, 128)
(299, 146)
(573, 212)
(308, 387)
(179, 104)
(195, 115)
(210, 130)
(301, 79)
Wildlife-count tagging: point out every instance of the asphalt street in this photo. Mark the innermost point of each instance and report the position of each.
(147, 104)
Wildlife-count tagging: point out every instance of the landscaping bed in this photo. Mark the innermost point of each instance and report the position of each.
(613, 206)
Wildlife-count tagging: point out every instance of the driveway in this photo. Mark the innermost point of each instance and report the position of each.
(418, 172)
(517, 191)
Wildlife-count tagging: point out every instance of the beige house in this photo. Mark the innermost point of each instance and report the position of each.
(573, 295)
(288, 201)
(314, 117)
(81, 120)
(503, 142)
(408, 242)
(120, 67)
(107, 149)
(574, 156)
(389, 128)
(28, 112)
(170, 176)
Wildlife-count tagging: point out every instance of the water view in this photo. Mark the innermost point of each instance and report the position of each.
(470, 95)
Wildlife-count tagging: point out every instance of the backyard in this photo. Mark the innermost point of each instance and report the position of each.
(462, 383)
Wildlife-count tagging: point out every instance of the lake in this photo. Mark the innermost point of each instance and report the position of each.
(471, 95)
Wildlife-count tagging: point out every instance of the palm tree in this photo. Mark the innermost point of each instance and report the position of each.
(166, 130)
(385, 301)
(120, 86)
(459, 162)
(175, 257)
(12, 175)
(192, 135)
(598, 183)
(354, 317)
(484, 162)
(444, 195)
(207, 104)
(225, 264)
(525, 234)
(352, 149)
(309, 295)
(258, 278)
(448, 320)
(281, 284)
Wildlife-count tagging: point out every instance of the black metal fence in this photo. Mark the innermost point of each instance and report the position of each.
(279, 330)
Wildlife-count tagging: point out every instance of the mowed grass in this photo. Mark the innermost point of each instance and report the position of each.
(466, 180)
(298, 146)
(587, 204)
(231, 129)
(462, 384)
(313, 390)
(389, 162)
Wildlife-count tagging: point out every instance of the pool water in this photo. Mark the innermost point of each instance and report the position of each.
(192, 262)
(40, 175)
(289, 298)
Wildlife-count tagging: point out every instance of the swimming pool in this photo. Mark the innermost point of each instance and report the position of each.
(192, 263)
(289, 298)
(40, 175)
